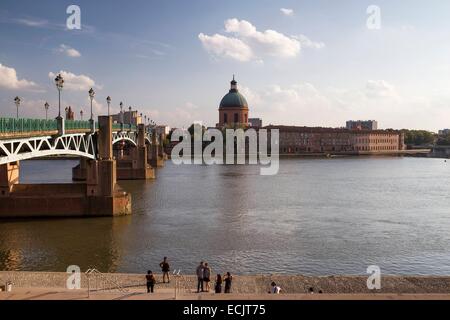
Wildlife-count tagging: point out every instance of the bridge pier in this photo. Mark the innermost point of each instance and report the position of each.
(101, 177)
(9, 176)
(79, 171)
(156, 154)
(99, 196)
(134, 166)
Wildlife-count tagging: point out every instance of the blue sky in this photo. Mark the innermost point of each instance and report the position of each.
(315, 63)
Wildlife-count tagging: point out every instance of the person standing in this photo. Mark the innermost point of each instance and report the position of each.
(218, 286)
(207, 276)
(150, 281)
(200, 276)
(228, 279)
(165, 268)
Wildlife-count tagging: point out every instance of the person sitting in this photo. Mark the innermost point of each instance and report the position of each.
(228, 280)
(274, 288)
(218, 286)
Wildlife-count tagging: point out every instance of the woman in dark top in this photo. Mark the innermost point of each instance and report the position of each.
(150, 281)
(228, 278)
(218, 287)
(206, 276)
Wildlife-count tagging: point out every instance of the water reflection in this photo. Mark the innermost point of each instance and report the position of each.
(56, 244)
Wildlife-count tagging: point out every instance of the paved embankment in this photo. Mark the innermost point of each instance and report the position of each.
(242, 284)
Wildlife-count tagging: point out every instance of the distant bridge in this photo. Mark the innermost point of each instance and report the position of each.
(22, 139)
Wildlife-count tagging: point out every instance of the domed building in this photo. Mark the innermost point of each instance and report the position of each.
(233, 109)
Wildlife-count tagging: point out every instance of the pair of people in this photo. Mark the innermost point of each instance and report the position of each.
(203, 272)
(219, 280)
(274, 288)
(150, 277)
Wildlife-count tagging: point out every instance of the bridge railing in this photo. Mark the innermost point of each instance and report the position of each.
(77, 125)
(126, 127)
(14, 126)
(17, 126)
(11, 125)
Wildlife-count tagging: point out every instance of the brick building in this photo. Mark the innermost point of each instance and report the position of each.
(300, 140)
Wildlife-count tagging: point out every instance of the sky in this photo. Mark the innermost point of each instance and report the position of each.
(308, 63)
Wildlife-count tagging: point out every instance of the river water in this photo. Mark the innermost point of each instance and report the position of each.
(316, 217)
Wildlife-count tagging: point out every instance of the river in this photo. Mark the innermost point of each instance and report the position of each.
(315, 217)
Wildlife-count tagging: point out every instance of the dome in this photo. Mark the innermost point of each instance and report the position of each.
(233, 99)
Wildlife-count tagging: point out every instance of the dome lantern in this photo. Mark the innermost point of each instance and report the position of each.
(233, 85)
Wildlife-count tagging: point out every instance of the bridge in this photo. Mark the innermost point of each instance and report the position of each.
(107, 151)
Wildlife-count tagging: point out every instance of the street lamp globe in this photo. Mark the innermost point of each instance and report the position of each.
(108, 101)
(59, 82)
(91, 96)
(46, 106)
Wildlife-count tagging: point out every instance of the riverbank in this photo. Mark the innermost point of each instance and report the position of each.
(243, 285)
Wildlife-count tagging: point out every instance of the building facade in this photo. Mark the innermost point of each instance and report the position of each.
(127, 117)
(255, 122)
(362, 125)
(69, 113)
(303, 140)
(233, 109)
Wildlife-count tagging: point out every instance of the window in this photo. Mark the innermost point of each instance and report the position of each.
(225, 118)
(236, 118)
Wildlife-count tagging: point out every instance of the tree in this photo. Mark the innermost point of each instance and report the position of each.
(419, 137)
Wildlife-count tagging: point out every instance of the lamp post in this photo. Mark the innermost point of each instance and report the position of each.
(17, 102)
(129, 109)
(91, 96)
(108, 101)
(46, 105)
(59, 81)
(121, 116)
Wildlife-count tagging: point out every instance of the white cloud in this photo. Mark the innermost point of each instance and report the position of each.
(296, 104)
(287, 12)
(269, 42)
(69, 51)
(9, 80)
(222, 46)
(380, 89)
(249, 44)
(304, 104)
(308, 43)
(97, 108)
(35, 23)
(75, 82)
